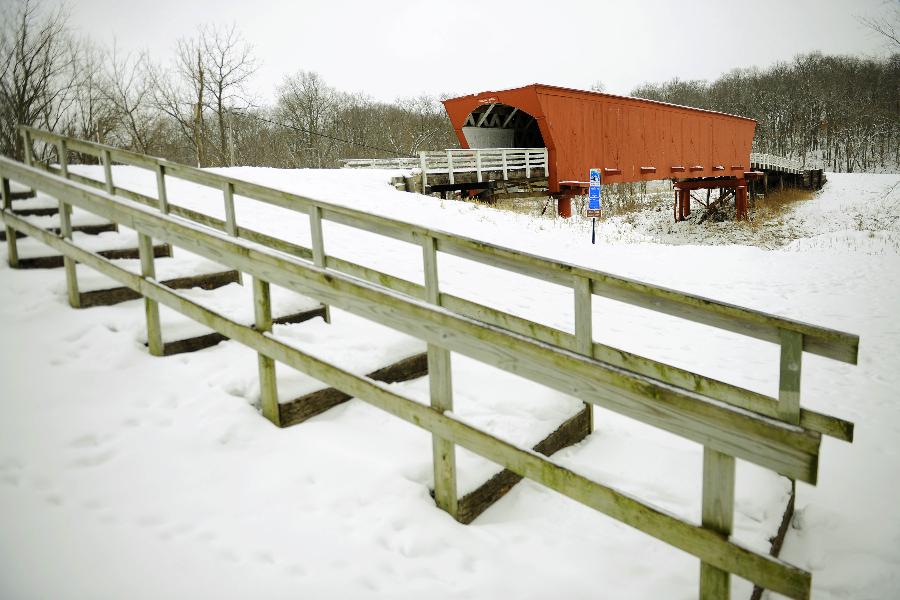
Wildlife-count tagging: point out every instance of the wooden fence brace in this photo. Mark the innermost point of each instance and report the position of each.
(440, 383)
(11, 243)
(65, 229)
(717, 515)
(151, 308)
(268, 389)
(584, 327)
(161, 194)
(317, 236)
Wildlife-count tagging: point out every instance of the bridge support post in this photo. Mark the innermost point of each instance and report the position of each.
(741, 202)
(564, 206)
(11, 244)
(440, 384)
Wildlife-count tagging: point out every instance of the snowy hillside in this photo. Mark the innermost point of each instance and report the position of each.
(128, 476)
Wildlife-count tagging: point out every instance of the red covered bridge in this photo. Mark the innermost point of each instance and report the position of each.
(629, 139)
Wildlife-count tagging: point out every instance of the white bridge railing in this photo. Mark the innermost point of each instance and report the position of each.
(775, 163)
(452, 162)
(380, 163)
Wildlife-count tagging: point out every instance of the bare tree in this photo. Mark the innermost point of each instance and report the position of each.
(178, 93)
(37, 71)
(308, 106)
(93, 114)
(229, 64)
(128, 87)
(887, 26)
(209, 75)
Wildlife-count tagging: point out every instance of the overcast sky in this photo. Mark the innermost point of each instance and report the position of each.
(391, 48)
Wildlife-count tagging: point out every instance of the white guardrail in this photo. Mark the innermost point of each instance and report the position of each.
(455, 161)
(775, 163)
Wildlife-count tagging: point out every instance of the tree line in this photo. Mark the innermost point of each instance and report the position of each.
(840, 112)
(199, 108)
(837, 112)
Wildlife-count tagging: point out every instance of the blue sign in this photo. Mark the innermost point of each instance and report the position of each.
(594, 192)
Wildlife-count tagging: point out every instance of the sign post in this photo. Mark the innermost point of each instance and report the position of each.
(593, 210)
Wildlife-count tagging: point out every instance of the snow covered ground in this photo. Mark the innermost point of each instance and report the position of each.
(128, 476)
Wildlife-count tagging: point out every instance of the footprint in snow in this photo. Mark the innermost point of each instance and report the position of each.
(11, 471)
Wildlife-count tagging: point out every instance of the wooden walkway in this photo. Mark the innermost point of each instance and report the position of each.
(729, 421)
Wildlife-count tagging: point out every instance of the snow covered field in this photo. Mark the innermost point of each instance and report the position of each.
(128, 476)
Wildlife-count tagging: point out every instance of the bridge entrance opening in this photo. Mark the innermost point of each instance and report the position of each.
(496, 125)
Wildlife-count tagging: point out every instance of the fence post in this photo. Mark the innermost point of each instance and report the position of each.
(107, 172)
(789, 376)
(268, 389)
(11, 243)
(423, 165)
(161, 193)
(63, 151)
(65, 231)
(505, 167)
(584, 327)
(65, 228)
(440, 383)
(478, 164)
(231, 227)
(718, 515)
(230, 218)
(27, 149)
(450, 166)
(151, 308)
(318, 245)
(527, 164)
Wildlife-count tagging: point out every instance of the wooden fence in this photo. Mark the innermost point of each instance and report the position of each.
(730, 422)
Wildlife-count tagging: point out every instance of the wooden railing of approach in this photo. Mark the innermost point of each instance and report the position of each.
(452, 162)
(775, 433)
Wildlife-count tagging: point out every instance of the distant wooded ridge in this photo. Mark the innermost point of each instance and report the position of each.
(838, 112)
(200, 107)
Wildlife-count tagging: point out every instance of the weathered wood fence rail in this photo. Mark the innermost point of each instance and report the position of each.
(730, 422)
